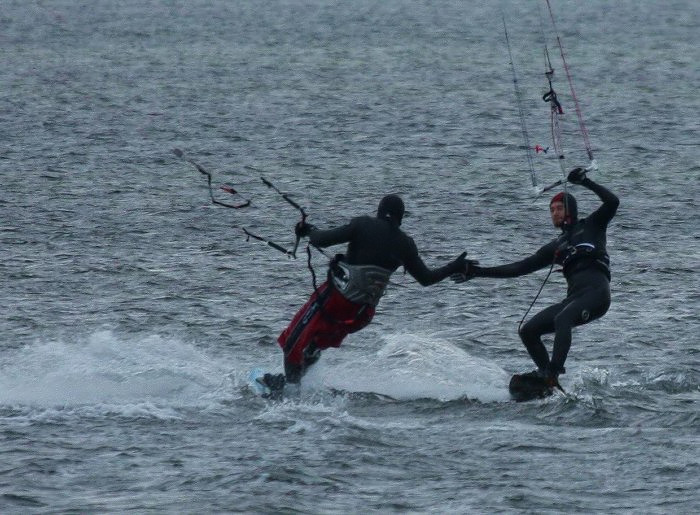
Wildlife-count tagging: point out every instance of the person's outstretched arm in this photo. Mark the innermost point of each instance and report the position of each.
(324, 237)
(425, 276)
(329, 237)
(540, 259)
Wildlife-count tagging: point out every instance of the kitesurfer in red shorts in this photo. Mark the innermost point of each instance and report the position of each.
(346, 301)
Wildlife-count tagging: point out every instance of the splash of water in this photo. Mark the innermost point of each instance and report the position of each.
(411, 366)
(105, 369)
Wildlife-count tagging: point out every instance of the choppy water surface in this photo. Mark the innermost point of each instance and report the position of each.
(132, 307)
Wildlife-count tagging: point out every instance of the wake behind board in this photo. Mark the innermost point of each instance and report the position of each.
(527, 387)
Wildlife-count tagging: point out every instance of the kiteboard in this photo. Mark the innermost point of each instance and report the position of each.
(260, 388)
(256, 384)
(528, 387)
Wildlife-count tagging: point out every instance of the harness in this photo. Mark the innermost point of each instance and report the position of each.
(361, 284)
(339, 278)
(572, 258)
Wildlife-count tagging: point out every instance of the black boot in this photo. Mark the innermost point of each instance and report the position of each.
(293, 372)
(551, 376)
(275, 382)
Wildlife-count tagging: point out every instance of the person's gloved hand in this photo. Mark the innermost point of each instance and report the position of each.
(576, 176)
(466, 269)
(302, 229)
(460, 261)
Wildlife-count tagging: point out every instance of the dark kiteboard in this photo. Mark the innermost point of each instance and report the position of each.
(527, 387)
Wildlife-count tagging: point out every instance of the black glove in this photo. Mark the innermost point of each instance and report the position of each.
(577, 175)
(460, 262)
(302, 229)
(467, 269)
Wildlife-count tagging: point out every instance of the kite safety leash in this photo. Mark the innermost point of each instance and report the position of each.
(270, 243)
(246, 202)
(556, 111)
(228, 189)
(536, 297)
(579, 115)
(286, 197)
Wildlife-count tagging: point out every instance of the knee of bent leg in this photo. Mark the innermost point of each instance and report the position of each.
(526, 331)
(566, 318)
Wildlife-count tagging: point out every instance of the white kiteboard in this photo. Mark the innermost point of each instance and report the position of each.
(255, 383)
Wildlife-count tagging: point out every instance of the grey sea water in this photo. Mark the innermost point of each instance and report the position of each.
(132, 307)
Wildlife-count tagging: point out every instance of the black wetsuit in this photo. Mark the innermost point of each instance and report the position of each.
(374, 241)
(580, 250)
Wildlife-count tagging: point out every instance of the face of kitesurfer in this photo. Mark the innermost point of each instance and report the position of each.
(563, 209)
(391, 208)
(558, 213)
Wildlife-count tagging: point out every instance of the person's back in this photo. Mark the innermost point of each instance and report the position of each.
(379, 241)
(371, 241)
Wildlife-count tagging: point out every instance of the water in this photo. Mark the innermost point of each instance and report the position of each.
(133, 308)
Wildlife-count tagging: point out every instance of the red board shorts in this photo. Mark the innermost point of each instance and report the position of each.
(326, 319)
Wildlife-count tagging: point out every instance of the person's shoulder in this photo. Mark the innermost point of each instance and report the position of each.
(406, 236)
(362, 221)
(408, 241)
(554, 243)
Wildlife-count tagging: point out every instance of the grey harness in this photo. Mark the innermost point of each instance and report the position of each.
(361, 284)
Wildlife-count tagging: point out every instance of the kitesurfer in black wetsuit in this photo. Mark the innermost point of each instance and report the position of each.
(346, 302)
(580, 250)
